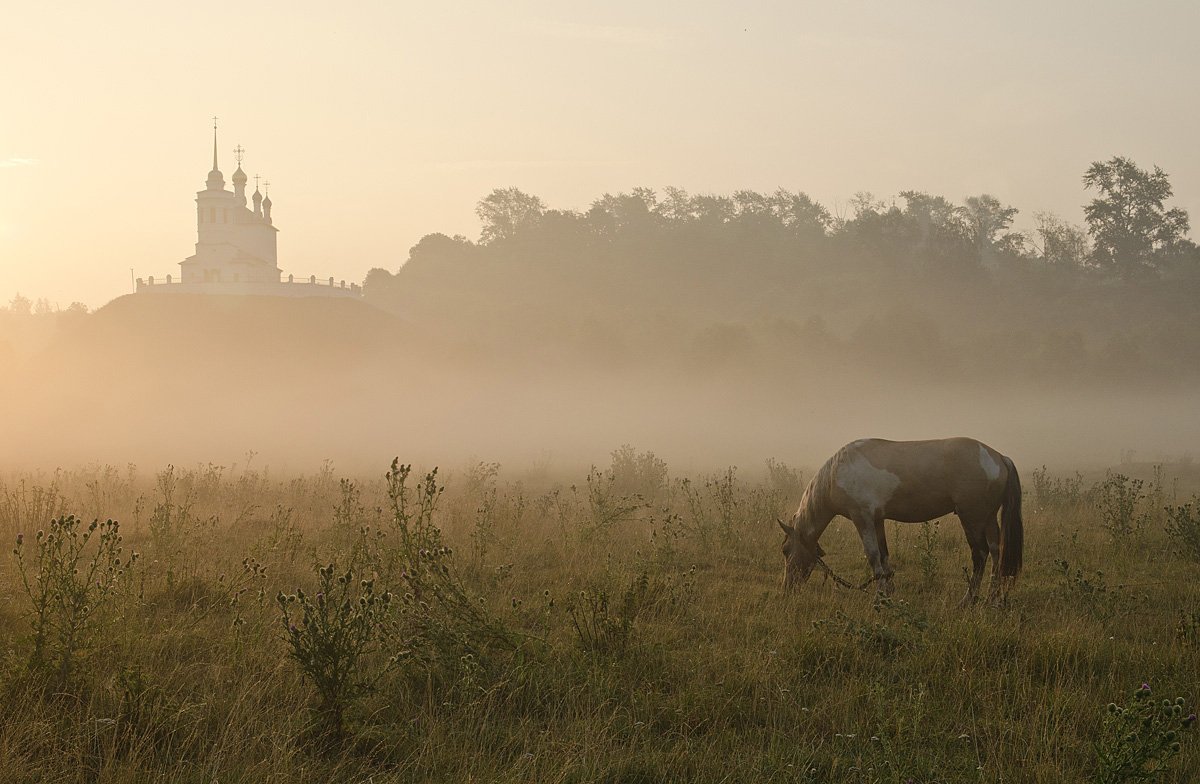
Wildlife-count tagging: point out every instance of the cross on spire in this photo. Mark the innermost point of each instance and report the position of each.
(256, 182)
(267, 187)
(214, 142)
(238, 154)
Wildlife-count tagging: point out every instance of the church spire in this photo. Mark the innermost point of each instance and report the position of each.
(216, 182)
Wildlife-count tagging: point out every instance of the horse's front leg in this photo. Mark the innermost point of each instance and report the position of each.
(870, 530)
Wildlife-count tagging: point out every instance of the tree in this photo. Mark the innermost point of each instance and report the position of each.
(713, 210)
(1063, 244)
(934, 214)
(676, 206)
(20, 305)
(507, 211)
(944, 241)
(624, 212)
(987, 221)
(1132, 231)
(800, 213)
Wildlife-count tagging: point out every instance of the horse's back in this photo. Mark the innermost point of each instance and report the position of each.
(919, 480)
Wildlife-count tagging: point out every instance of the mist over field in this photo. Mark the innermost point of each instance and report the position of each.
(713, 329)
(612, 392)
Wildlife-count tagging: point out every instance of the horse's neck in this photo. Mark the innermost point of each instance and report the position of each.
(816, 516)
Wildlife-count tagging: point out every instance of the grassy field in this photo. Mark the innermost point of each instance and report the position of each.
(627, 627)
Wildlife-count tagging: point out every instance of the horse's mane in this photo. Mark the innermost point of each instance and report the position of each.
(817, 493)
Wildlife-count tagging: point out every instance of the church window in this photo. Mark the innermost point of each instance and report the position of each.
(212, 214)
(224, 216)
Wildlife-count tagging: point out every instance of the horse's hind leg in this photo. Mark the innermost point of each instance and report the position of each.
(991, 532)
(973, 527)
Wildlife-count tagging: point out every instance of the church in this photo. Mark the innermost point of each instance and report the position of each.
(235, 246)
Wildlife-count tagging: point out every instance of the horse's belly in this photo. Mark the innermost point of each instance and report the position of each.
(912, 512)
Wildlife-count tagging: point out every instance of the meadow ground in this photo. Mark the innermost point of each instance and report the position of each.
(629, 627)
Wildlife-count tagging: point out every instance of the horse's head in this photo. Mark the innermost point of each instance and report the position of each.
(799, 556)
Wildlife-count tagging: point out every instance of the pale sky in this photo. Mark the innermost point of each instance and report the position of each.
(380, 122)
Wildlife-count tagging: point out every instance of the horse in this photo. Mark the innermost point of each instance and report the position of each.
(872, 479)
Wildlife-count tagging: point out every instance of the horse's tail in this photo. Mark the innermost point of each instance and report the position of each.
(1012, 533)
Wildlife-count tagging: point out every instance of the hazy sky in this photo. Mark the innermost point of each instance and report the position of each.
(379, 122)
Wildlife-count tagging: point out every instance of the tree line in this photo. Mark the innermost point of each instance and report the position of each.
(1130, 230)
(920, 283)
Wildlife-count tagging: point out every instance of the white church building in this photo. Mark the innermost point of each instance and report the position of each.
(235, 247)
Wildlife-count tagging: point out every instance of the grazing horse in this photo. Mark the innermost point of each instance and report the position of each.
(871, 480)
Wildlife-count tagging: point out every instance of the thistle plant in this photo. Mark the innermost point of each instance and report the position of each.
(412, 510)
(1183, 526)
(331, 635)
(1140, 737)
(68, 578)
(442, 620)
(1119, 501)
(1093, 592)
(927, 551)
(604, 627)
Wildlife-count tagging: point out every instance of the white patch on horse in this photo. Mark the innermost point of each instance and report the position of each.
(991, 468)
(869, 487)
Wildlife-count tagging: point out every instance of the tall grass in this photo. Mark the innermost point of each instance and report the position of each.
(626, 626)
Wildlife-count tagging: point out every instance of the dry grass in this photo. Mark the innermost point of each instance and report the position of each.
(719, 676)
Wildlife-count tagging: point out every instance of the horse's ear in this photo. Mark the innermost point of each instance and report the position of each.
(787, 529)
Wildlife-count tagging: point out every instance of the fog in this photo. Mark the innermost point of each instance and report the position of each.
(713, 330)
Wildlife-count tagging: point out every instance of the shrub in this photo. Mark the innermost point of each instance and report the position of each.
(643, 474)
(68, 580)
